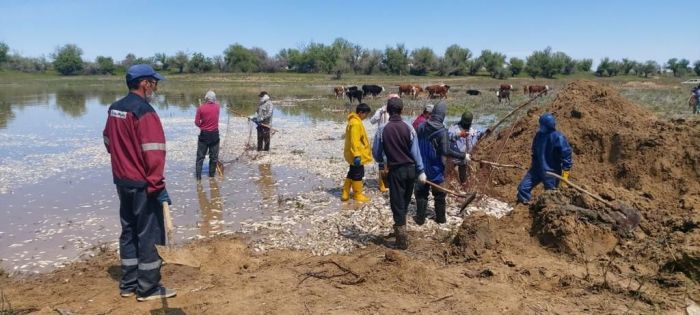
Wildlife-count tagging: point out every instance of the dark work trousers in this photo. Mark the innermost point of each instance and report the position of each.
(422, 192)
(208, 141)
(142, 228)
(356, 172)
(263, 138)
(401, 180)
(462, 171)
(531, 180)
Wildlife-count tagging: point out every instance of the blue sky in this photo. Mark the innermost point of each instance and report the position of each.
(640, 30)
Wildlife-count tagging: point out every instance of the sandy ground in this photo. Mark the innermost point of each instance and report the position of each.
(562, 254)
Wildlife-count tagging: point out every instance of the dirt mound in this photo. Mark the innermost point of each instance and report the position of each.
(475, 236)
(628, 156)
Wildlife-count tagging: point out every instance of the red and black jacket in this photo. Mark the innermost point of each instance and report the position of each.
(135, 140)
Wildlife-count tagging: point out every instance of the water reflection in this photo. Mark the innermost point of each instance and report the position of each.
(71, 102)
(266, 182)
(6, 114)
(211, 209)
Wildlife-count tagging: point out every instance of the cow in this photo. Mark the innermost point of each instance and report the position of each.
(372, 89)
(354, 94)
(351, 88)
(339, 91)
(501, 94)
(473, 92)
(506, 87)
(410, 89)
(534, 89)
(440, 90)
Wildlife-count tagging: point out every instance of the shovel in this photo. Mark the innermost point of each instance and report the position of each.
(625, 216)
(167, 252)
(469, 197)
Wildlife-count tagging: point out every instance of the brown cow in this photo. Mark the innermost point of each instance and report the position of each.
(339, 91)
(506, 87)
(534, 89)
(501, 94)
(410, 89)
(440, 90)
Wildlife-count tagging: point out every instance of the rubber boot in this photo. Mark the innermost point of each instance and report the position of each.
(421, 206)
(198, 172)
(357, 191)
(440, 217)
(382, 185)
(345, 195)
(401, 237)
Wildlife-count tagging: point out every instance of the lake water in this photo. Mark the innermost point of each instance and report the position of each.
(57, 198)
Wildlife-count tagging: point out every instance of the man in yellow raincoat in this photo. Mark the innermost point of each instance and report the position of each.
(358, 152)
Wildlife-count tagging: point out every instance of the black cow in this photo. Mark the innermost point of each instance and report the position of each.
(351, 88)
(354, 94)
(473, 92)
(503, 94)
(372, 89)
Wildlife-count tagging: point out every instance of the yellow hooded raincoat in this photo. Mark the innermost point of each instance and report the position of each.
(356, 141)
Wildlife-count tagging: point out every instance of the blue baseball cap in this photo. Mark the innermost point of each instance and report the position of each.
(142, 70)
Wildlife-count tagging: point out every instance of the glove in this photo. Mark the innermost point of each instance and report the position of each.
(467, 157)
(422, 178)
(164, 197)
(564, 175)
(356, 161)
(463, 133)
(255, 120)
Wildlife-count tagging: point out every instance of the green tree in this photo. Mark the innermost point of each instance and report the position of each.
(672, 64)
(179, 61)
(682, 67)
(493, 62)
(370, 61)
(199, 64)
(627, 66)
(67, 59)
(396, 59)
(161, 61)
(516, 65)
(241, 59)
(424, 60)
(584, 65)
(649, 67)
(129, 60)
(608, 67)
(455, 60)
(345, 53)
(696, 67)
(474, 66)
(105, 65)
(541, 63)
(564, 63)
(3, 52)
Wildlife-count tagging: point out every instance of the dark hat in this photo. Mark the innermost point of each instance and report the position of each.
(362, 108)
(142, 70)
(466, 121)
(263, 93)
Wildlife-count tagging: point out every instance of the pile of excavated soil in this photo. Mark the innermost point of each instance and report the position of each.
(628, 156)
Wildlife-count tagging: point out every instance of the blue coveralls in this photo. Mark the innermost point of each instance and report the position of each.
(551, 152)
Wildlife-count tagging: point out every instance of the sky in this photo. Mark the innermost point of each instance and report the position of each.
(639, 30)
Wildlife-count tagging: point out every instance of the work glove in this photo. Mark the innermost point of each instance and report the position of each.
(564, 175)
(467, 157)
(422, 178)
(356, 161)
(463, 133)
(164, 197)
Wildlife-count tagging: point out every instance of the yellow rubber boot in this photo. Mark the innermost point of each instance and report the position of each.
(357, 191)
(382, 185)
(345, 195)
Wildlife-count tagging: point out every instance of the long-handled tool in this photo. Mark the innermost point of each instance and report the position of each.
(626, 217)
(258, 123)
(167, 252)
(469, 197)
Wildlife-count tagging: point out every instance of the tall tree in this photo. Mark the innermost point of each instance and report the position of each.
(696, 67)
(3, 52)
(584, 65)
(179, 61)
(370, 61)
(396, 59)
(67, 59)
(199, 63)
(672, 64)
(105, 65)
(493, 62)
(424, 60)
(516, 65)
(455, 60)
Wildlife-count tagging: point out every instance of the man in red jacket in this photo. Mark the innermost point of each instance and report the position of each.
(207, 119)
(135, 140)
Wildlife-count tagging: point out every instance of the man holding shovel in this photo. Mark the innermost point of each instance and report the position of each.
(135, 140)
(551, 152)
(434, 144)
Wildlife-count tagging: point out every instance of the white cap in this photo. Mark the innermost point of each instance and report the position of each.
(210, 96)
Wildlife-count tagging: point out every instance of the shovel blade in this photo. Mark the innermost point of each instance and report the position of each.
(177, 256)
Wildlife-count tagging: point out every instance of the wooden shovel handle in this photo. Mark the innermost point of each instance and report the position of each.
(596, 197)
(445, 189)
(168, 221)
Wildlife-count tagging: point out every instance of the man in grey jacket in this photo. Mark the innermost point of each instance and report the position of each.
(263, 118)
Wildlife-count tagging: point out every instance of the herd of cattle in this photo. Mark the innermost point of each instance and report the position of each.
(432, 91)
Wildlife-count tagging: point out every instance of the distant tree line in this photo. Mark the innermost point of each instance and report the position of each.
(342, 57)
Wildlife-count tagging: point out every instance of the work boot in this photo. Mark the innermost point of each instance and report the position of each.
(382, 184)
(401, 237)
(159, 293)
(421, 206)
(345, 195)
(212, 168)
(440, 217)
(198, 172)
(357, 191)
